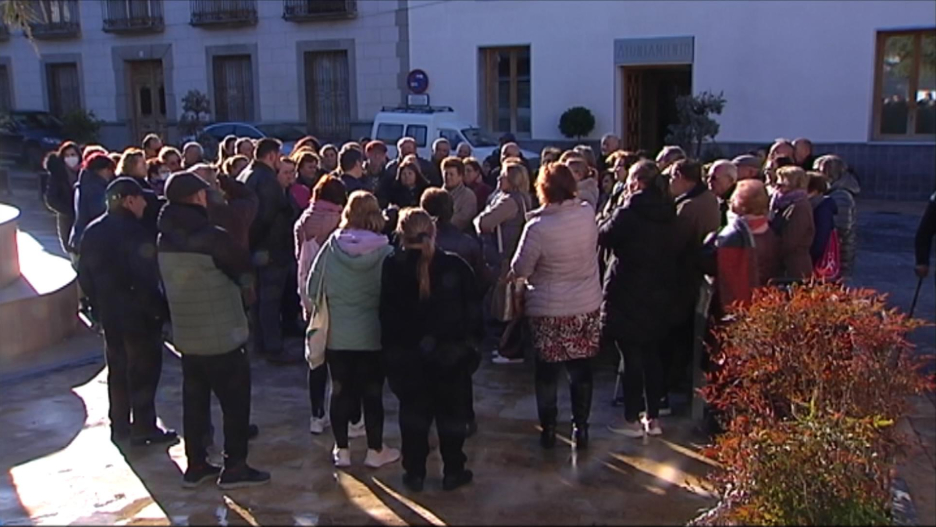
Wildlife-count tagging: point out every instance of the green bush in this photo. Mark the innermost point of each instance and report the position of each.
(81, 126)
(577, 122)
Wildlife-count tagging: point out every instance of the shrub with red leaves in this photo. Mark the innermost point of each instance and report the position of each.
(809, 382)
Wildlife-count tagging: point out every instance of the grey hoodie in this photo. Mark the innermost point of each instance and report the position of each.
(843, 191)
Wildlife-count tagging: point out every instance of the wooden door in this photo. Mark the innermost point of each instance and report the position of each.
(633, 79)
(327, 86)
(147, 98)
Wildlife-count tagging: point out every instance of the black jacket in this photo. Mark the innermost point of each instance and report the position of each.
(59, 193)
(425, 166)
(271, 232)
(154, 203)
(925, 232)
(441, 331)
(117, 270)
(638, 284)
(450, 239)
(402, 196)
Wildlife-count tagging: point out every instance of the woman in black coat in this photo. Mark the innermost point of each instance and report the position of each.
(63, 166)
(637, 291)
(409, 185)
(430, 317)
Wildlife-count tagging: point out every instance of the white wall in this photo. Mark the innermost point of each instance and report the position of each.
(787, 68)
(373, 30)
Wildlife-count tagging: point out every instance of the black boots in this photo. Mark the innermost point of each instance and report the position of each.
(581, 395)
(580, 436)
(548, 436)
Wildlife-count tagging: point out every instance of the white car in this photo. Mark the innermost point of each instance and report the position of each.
(286, 133)
(425, 124)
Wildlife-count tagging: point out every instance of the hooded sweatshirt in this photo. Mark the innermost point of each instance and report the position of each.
(351, 261)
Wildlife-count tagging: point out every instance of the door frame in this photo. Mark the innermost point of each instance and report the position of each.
(134, 126)
(343, 44)
(120, 56)
(622, 97)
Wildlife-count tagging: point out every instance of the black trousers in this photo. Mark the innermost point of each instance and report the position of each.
(134, 365)
(644, 383)
(580, 390)
(357, 378)
(432, 396)
(291, 306)
(676, 355)
(266, 322)
(228, 376)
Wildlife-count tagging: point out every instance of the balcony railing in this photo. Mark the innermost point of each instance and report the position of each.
(133, 16)
(55, 19)
(224, 12)
(301, 10)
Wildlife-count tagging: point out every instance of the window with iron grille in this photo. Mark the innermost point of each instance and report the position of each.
(233, 88)
(298, 10)
(327, 82)
(54, 18)
(62, 87)
(211, 12)
(125, 15)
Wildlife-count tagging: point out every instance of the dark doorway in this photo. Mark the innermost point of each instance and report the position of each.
(650, 94)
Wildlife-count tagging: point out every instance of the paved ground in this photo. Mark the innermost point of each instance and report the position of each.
(60, 467)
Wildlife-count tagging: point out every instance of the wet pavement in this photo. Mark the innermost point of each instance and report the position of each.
(60, 467)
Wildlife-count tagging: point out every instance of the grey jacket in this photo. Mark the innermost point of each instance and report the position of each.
(558, 253)
(843, 191)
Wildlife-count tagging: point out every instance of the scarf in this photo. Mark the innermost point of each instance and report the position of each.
(782, 200)
(757, 223)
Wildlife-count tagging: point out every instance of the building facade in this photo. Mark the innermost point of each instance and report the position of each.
(857, 78)
(328, 65)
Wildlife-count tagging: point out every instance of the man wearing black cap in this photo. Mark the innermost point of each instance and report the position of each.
(117, 270)
(205, 273)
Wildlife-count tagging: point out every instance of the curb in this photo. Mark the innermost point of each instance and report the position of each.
(903, 512)
(14, 378)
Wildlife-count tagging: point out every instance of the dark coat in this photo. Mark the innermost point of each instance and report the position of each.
(638, 284)
(402, 196)
(271, 231)
(923, 242)
(425, 166)
(234, 209)
(59, 193)
(450, 239)
(824, 211)
(118, 272)
(442, 330)
(90, 203)
(154, 204)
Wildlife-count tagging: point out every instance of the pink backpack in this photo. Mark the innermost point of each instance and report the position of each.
(829, 267)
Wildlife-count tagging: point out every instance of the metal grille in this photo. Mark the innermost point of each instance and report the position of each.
(55, 18)
(632, 82)
(132, 14)
(233, 88)
(6, 101)
(223, 11)
(312, 9)
(63, 89)
(327, 88)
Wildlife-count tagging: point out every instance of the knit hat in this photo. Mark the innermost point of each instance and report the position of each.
(182, 185)
(122, 187)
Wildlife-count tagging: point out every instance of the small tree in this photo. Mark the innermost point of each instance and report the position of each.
(196, 111)
(81, 126)
(577, 122)
(695, 122)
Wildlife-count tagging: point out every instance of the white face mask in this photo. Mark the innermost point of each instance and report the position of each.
(71, 161)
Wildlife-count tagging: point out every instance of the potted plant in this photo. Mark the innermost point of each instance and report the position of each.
(696, 124)
(809, 382)
(577, 122)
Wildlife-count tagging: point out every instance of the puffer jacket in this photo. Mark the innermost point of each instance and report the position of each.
(843, 191)
(351, 261)
(558, 253)
(204, 272)
(90, 203)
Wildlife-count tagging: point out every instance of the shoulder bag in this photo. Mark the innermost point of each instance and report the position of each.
(316, 338)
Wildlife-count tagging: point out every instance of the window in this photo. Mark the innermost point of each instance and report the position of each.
(505, 87)
(233, 88)
(54, 18)
(132, 15)
(6, 99)
(905, 91)
(417, 132)
(62, 88)
(223, 12)
(452, 136)
(389, 133)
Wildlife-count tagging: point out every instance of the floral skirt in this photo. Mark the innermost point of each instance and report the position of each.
(558, 339)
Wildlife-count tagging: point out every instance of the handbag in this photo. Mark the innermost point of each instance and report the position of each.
(316, 338)
(512, 340)
(503, 305)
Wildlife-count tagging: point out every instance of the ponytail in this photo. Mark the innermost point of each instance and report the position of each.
(416, 229)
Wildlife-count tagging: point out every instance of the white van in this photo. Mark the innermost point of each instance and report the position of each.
(425, 124)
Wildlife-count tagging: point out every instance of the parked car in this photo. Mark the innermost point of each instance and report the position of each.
(425, 124)
(27, 135)
(286, 133)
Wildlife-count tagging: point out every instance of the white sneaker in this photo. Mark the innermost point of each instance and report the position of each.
(341, 456)
(317, 425)
(500, 359)
(623, 427)
(653, 427)
(377, 459)
(356, 430)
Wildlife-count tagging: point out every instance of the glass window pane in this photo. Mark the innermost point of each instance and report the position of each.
(926, 86)
(523, 63)
(146, 101)
(162, 101)
(417, 132)
(389, 133)
(895, 79)
(523, 94)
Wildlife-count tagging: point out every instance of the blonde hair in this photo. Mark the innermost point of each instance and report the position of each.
(517, 174)
(362, 212)
(795, 176)
(129, 157)
(417, 230)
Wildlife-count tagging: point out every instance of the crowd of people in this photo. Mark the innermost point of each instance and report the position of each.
(419, 262)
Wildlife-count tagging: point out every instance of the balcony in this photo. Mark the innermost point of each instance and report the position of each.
(227, 13)
(304, 10)
(133, 16)
(54, 19)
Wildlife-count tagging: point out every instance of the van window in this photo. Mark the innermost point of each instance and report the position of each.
(417, 132)
(389, 133)
(452, 135)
